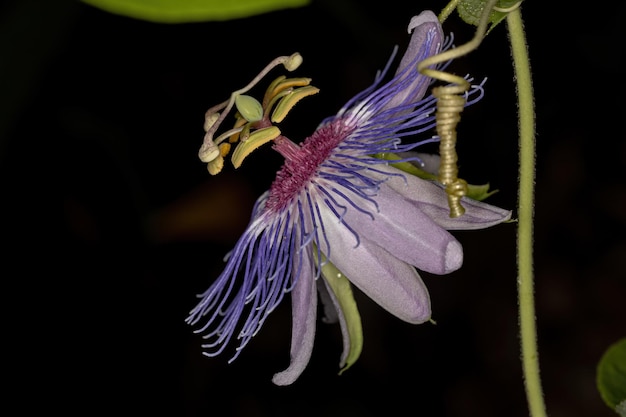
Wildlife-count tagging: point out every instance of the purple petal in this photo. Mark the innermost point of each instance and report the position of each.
(304, 311)
(407, 233)
(431, 199)
(390, 282)
(426, 41)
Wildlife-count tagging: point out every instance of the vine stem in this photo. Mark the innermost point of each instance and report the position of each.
(525, 284)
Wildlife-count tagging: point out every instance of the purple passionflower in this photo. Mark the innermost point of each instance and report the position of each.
(333, 203)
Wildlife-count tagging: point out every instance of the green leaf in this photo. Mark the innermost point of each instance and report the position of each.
(343, 292)
(611, 377)
(471, 10)
(185, 11)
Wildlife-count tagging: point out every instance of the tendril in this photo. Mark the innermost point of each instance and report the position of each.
(450, 102)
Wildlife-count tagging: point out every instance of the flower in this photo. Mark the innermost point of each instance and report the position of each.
(338, 215)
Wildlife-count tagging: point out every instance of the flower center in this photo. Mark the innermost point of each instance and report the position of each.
(303, 161)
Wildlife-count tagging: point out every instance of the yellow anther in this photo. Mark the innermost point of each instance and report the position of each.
(257, 139)
(270, 104)
(278, 88)
(271, 88)
(286, 103)
(216, 165)
(224, 149)
(288, 83)
(239, 123)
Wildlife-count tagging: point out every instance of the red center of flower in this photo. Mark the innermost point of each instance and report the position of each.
(302, 161)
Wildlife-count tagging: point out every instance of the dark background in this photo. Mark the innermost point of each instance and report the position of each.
(112, 225)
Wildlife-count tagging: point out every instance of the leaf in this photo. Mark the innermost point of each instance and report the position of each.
(185, 11)
(471, 10)
(611, 377)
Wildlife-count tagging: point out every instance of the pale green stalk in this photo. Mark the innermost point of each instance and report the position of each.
(526, 112)
(448, 10)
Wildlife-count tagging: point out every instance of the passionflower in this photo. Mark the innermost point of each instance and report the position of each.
(337, 213)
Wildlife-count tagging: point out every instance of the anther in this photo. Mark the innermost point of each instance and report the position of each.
(286, 103)
(215, 166)
(224, 149)
(256, 139)
(286, 83)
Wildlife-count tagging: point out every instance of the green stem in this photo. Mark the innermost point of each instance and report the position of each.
(527, 319)
(448, 10)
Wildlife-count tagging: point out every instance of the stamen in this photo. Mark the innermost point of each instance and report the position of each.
(270, 89)
(257, 139)
(274, 99)
(286, 83)
(224, 149)
(215, 165)
(213, 119)
(286, 103)
(238, 124)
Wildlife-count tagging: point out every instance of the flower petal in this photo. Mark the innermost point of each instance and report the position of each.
(407, 233)
(390, 282)
(432, 200)
(426, 40)
(304, 310)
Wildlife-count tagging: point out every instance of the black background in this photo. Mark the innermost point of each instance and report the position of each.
(112, 225)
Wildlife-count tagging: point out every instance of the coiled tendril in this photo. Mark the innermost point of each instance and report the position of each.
(450, 103)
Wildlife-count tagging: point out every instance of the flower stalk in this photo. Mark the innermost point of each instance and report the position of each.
(525, 211)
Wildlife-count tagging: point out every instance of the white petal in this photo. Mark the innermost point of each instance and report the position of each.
(403, 230)
(432, 200)
(304, 308)
(390, 282)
